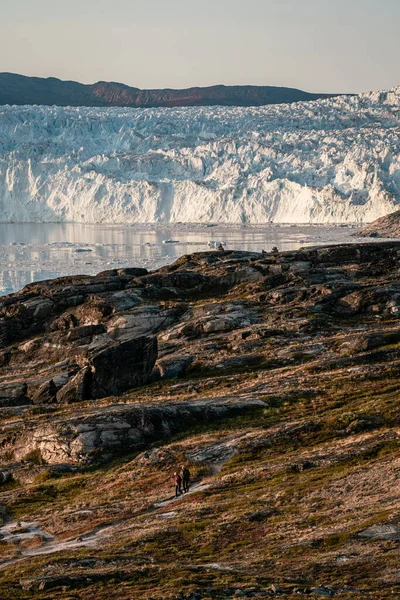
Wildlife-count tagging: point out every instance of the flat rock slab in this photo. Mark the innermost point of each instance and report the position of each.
(381, 532)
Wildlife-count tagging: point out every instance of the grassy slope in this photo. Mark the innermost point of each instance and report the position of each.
(261, 517)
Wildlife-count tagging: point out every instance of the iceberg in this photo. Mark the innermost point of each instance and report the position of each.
(330, 161)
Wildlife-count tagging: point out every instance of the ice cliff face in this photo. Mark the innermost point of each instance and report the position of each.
(328, 161)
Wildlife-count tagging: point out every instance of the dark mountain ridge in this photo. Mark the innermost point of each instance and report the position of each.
(21, 90)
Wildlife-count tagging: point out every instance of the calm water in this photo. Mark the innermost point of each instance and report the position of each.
(33, 252)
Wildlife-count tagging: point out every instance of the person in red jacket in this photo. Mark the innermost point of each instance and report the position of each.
(178, 484)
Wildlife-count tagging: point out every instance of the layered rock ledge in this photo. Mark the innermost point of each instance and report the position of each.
(98, 435)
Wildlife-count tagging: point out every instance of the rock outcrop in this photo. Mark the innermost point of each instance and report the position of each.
(117, 430)
(385, 227)
(85, 338)
(65, 337)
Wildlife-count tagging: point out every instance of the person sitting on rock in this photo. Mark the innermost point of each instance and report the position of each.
(185, 473)
(178, 485)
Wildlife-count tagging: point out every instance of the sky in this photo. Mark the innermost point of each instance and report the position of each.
(316, 45)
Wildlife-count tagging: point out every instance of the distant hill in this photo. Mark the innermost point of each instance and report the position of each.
(21, 90)
(386, 227)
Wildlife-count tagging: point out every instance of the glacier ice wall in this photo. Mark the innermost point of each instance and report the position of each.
(328, 161)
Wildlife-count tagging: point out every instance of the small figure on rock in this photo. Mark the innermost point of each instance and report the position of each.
(221, 248)
(185, 474)
(178, 485)
(275, 250)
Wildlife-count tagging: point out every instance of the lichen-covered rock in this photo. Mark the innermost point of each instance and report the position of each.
(85, 331)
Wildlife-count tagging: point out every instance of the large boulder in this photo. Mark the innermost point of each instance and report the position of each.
(121, 367)
(111, 370)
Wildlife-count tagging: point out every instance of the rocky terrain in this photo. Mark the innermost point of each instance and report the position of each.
(274, 377)
(385, 227)
(20, 90)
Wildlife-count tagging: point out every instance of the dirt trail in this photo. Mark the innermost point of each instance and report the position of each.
(17, 531)
(215, 455)
(195, 487)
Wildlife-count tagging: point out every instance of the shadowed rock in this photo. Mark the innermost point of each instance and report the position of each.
(78, 388)
(123, 366)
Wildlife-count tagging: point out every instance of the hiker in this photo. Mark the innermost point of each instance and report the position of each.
(185, 473)
(178, 485)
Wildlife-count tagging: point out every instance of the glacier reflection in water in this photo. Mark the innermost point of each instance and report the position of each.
(34, 252)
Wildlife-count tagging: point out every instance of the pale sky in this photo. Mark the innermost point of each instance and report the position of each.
(315, 45)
